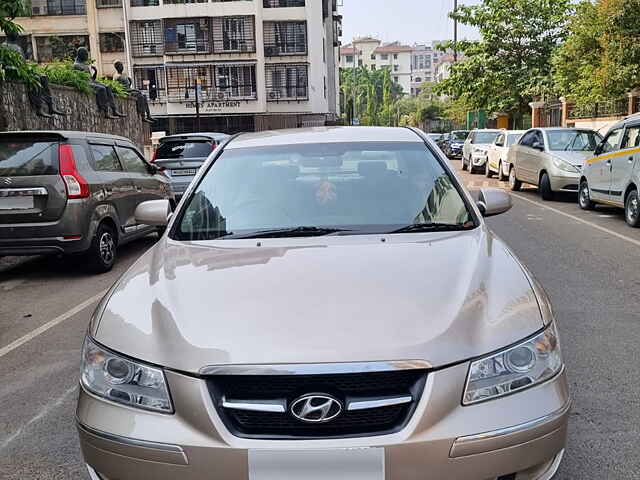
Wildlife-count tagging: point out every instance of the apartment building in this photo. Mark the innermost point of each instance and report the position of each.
(245, 64)
(422, 66)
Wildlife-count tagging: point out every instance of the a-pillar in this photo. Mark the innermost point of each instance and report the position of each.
(537, 118)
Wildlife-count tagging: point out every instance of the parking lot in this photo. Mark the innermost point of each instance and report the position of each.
(587, 262)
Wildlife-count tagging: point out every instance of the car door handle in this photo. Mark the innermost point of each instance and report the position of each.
(630, 160)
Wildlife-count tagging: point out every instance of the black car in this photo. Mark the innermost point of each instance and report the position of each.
(455, 142)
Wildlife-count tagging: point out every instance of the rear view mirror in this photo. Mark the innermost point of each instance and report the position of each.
(153, 212)
(493, 201)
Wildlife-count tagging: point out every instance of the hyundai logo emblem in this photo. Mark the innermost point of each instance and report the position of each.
(316, 408)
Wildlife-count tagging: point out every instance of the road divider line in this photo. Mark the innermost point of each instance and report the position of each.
(51, 323)
(578, 219)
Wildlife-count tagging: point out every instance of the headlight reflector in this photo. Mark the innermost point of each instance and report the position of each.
(524, 365)
(564, 166)
(121, 380)
(481, 152)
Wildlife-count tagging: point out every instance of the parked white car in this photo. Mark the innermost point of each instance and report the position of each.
(612, 177)
(497, 160)
(551, 159)
(474, 151)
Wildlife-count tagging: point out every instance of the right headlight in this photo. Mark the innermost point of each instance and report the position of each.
(564, 166)
(522, 366)
(122, 380)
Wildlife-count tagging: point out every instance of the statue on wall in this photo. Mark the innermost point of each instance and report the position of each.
(104, 95)
(142, 104)
(40, 97)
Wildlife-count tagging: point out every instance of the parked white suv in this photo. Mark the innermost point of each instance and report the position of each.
(612, 177)
(474, 152)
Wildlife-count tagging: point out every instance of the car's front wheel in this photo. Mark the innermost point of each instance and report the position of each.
(584, 198)
(632, 209)
(545, 187)
(487, 171)
(464, 164)
(101, 255)
(514, 184)
(501, 176)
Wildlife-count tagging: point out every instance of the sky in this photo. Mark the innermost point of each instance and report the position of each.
(407, 21)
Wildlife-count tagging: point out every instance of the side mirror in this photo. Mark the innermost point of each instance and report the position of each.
(493, 201)
(537, 146)
(153, 212)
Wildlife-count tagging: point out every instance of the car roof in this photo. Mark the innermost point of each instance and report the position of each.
(562, 129)
(302, 136)
(183, 136)
(66, 134)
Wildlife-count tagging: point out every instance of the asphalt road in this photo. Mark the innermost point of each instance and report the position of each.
(587, 261)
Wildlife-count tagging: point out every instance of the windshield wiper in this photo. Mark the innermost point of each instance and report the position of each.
(302, 231)
(432, 227)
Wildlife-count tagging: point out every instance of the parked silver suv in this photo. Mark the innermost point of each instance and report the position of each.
(73, 192)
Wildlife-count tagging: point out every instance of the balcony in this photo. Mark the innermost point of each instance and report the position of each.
(145, 3)
(215, 83)
(234, 34)
(109, 3)
(285, 38)
(58, 7)
(287, 82)
(151, 82)
(283, 3)
(187, 36)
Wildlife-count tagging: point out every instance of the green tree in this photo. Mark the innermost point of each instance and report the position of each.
(601, 56)
(511, 64)
(12, 65)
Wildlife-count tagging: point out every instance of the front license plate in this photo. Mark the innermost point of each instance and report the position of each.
(16, 203)
(183, 172)
(343, 464)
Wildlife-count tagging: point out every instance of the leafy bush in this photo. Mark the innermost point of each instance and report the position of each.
(62, 73)
(117, 87)
(14, 68)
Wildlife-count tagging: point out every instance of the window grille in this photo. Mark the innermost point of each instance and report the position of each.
(282, 3)
(58, 7)
(234, 34)
(217, 82)
(146, 38)
(109, 3)
(151, 81)
(112, 42)
(285, 38)
(286, 82)
(187, 35)
(145, 3)
(59, 47)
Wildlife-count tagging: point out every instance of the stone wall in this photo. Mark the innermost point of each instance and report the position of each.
(16, 113)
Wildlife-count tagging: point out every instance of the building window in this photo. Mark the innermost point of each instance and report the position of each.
(349, 58)
(287, 82)
(215, 82)
(395, 79)
(396, 68)
(285, 38)
(112, 42)
(418, 80)
(25, 42)
(58, 7)
(174, 2)
(151, 82)
(186, 35)
(373, 56)
(234, 34)
(395, 56)
(373, 67)
(384, 56)
(109, 3)
(59, 47)
(145, 3)
(146, 38)
(282, 3)
(360, 62)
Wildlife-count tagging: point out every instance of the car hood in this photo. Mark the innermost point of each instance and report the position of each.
(574, 158)
(441, 297)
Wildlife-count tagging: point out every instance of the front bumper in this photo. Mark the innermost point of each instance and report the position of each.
(562, 181)
(521, 433)
(478, 160)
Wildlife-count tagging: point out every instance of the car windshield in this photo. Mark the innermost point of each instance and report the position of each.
(350, 187)
(513, 138)
(461, 135)
(484, 137)
(182, 149)
(573, 140)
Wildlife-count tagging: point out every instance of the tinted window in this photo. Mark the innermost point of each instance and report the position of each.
(180, 149)
(105, 159)
(528, 139)
(484, 137)
(573, 140)
(459, 135)
(513, 138)
(631, 137)
(611, 142)
(365, 187)
(23, 158)
(131, 161)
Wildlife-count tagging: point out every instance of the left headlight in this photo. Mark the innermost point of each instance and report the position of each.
(522, 366)
(481, 152)
(122, 380)
(564, 166)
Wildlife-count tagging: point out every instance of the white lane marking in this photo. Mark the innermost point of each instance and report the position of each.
(43, 413)
(51, 323)
(578, 219)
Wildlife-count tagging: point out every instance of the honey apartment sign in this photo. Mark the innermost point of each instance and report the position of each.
(216, 106)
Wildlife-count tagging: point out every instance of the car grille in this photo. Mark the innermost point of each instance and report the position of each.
(345, 387)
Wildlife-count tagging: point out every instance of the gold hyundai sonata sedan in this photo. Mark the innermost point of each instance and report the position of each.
(326, 304)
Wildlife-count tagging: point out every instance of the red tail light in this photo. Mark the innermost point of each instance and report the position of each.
(77, 186)
(214, 145)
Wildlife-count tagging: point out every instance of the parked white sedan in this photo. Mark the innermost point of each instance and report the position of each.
(497, 160)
